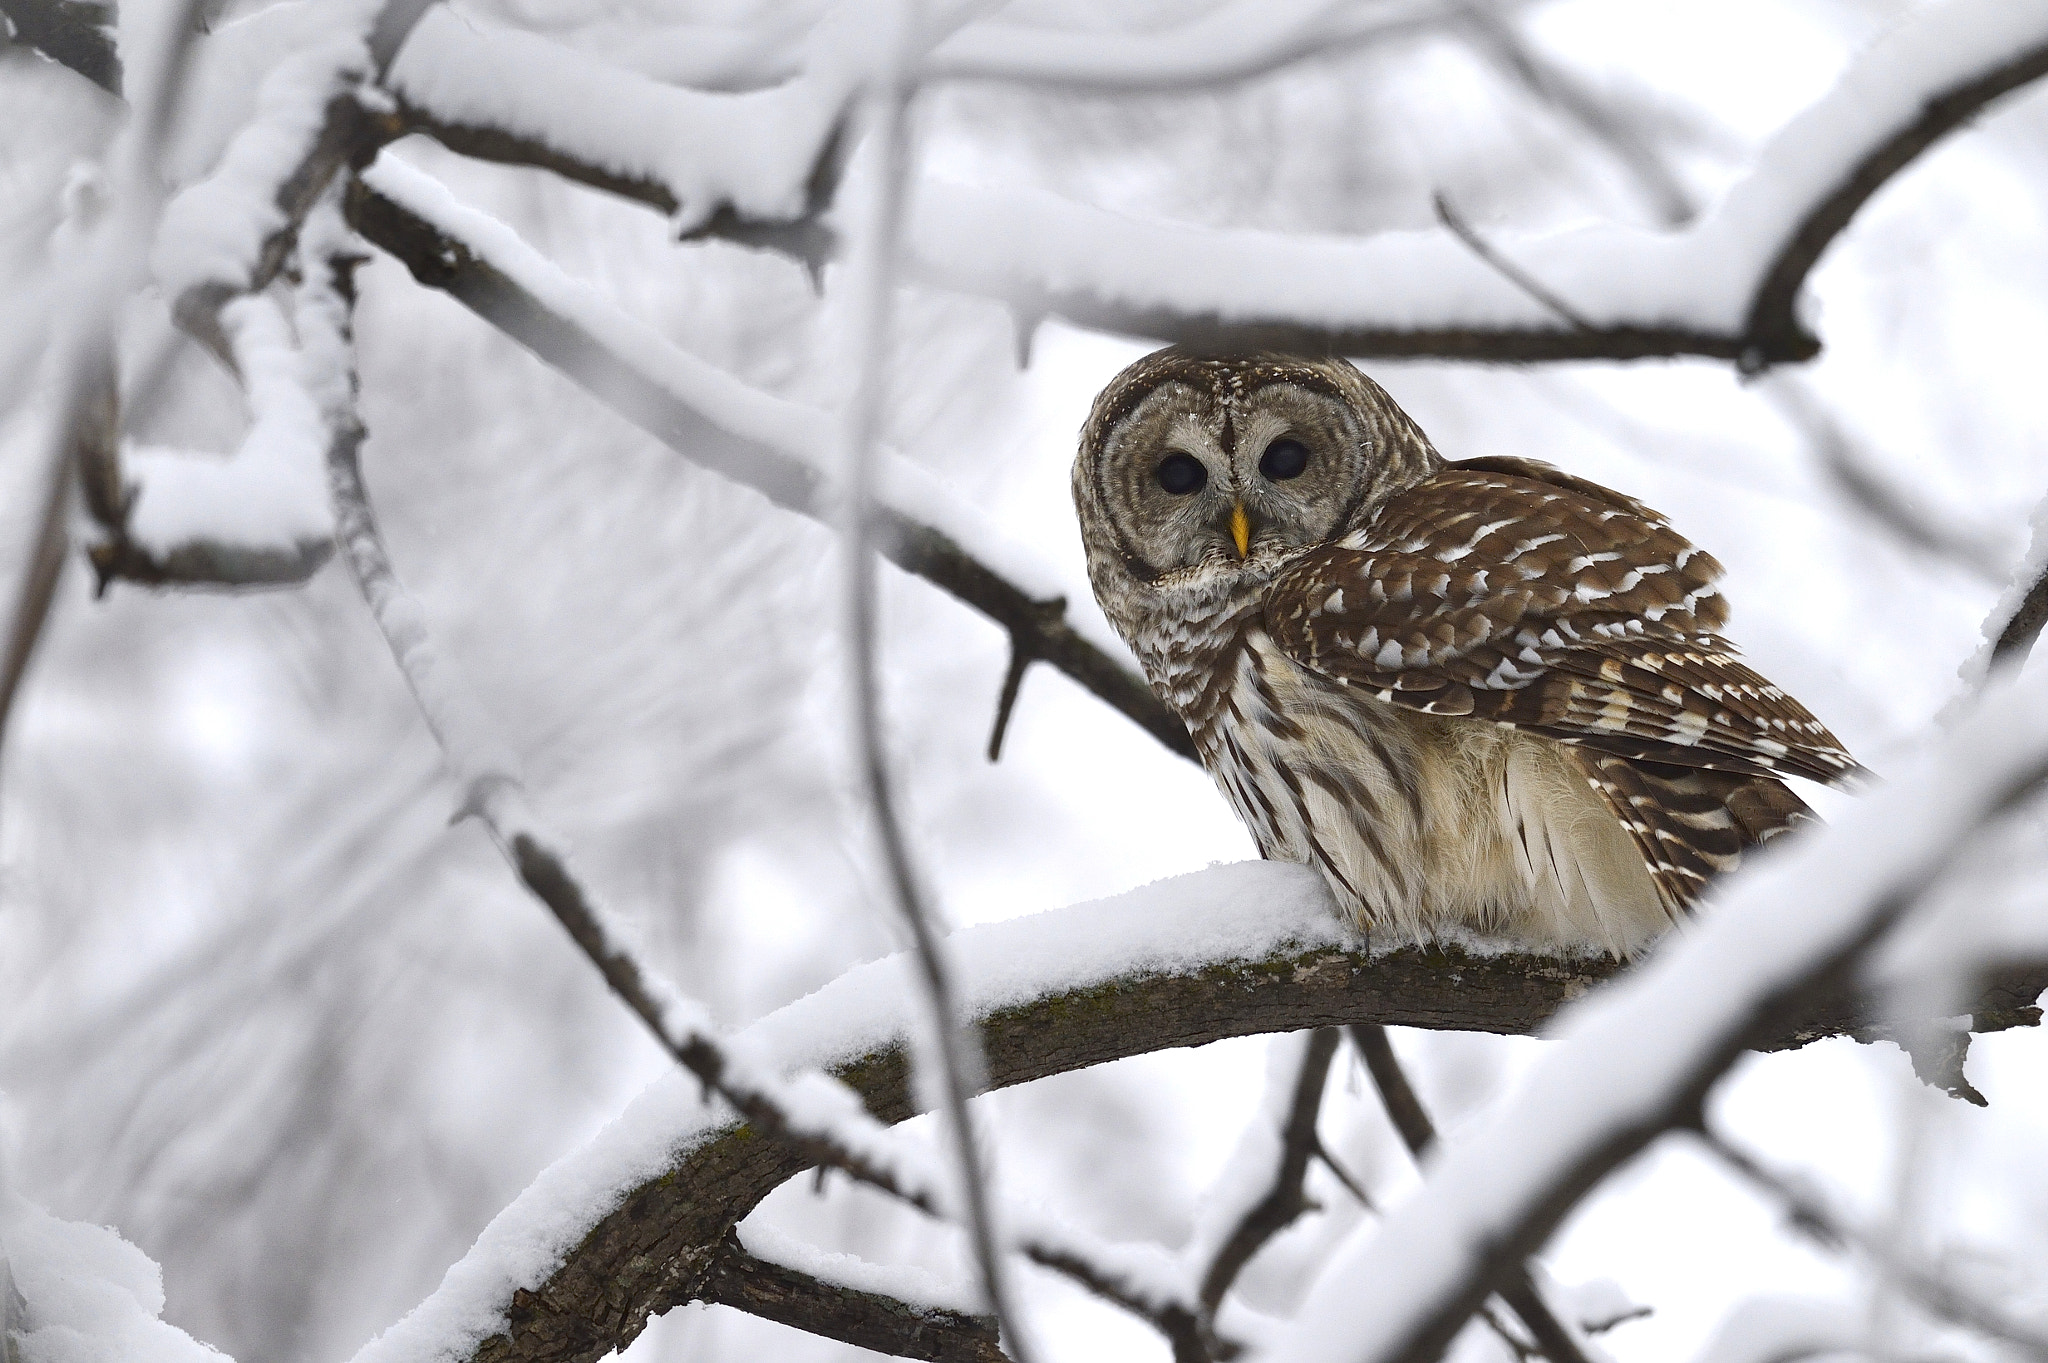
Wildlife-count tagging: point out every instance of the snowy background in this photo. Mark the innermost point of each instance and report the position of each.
(266, 1013)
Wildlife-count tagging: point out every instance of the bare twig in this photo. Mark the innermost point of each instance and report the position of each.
(1502, 42)
(1875, 497)
(1937, 1294)
(1287, 1198)
(1411, 1119)
(865, 1319)
(956, 1059)
(1455, 223)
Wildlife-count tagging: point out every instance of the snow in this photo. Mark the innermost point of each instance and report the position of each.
(1977, 668)
(753, 150)
(1767, 1329)
(213, 231)
(803, 433)
(1242, 912)
(1630, 1046)
(1026, 245)
(904, 1282)
(89, 1296)
(274, 490)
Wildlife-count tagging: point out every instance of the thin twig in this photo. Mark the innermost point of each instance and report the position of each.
(957, 1061)
(1505, 268)
(1411, 1119)
(1813, 1214)
(1287, 1197)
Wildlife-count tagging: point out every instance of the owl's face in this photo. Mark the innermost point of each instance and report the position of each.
(1211, 473)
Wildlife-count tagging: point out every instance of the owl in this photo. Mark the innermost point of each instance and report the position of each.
(1481, 695)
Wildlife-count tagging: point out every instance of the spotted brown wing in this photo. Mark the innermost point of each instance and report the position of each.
(1551, 604)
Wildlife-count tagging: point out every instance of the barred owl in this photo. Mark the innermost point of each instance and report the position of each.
(1483, 695)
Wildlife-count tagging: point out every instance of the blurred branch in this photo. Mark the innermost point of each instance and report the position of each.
(1287, 1198)
(1871, 494)
(1936, 1293)
(1235, 42)
(441, 261)
(1411, 1120)
(70, 32)
(953, 1063)
(621, 1261)
(1567, 94)
(867, 1320)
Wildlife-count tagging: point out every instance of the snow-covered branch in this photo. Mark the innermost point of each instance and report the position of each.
(1726, 286)
(65, 32)
(775, 447)
(1233, 951)
(259, 517)
(756, 156)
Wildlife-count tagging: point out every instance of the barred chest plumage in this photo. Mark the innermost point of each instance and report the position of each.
(1419, 825)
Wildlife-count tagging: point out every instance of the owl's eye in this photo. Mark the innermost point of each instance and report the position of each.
(1181, 474)
(1284, 459)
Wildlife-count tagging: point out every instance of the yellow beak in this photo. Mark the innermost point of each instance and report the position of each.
(1241, 529)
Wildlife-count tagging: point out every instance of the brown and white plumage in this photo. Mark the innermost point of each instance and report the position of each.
(1486, 695)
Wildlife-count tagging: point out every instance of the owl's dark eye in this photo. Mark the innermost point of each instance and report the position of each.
(1181, 474)
(1284, 459)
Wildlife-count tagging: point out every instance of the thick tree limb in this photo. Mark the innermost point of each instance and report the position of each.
(867, 1320)
(624, 1270)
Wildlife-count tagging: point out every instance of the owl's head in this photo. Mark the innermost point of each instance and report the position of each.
(1210, 472)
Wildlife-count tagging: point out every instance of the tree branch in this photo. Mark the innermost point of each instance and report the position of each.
(621, 1270)
(1937, 1294)
(867, 1320)
(441, 261)
(1287, 1198)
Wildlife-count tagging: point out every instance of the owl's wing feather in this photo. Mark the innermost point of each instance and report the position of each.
(1549, 604)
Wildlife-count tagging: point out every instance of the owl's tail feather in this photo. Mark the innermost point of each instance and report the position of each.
(1689, 823)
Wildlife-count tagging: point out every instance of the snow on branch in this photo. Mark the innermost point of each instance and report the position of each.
(501, 94)
(259, 517)
(229, 232)
(1725, 287)
(776, 447)
(1238, 950)
(1642, 1056)
(1233, 42)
